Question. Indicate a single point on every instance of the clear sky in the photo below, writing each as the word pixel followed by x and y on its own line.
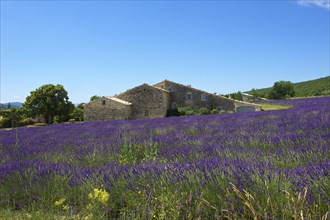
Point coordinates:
pixel 106 47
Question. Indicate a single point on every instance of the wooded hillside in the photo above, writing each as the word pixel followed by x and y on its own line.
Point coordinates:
pixel 317 87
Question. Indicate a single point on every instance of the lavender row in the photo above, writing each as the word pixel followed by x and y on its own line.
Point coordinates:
pixel 211 160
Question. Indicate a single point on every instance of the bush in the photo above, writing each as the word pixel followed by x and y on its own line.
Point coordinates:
pixel 214 111
pixel 72 120
pixel 5 122
pixel 26 122
pixel 173 112
pixel 77 114
pixel 188 110
pixel 203 111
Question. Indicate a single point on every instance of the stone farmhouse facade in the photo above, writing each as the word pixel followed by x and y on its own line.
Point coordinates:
pixel 154 101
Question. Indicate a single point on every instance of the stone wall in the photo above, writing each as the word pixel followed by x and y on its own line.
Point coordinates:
pixel 105 108
pixel 147 101
pixel 183 95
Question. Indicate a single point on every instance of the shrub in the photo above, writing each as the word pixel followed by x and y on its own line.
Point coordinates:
pixel 26 122
pixel 187 110
pixel 203 111
pixel 72 120
pixel 77 114
pixel 173 112
pixel 214 111
pixel 5 122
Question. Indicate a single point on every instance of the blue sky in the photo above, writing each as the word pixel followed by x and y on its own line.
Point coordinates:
pixel 106 47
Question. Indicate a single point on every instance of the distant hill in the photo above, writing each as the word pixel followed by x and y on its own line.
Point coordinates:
pixel 13 104
pixel 316 87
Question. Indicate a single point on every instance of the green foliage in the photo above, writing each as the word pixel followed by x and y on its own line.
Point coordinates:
pixel 11 117
pixel 94 97
pixel 282 89
pixel 172 112
pixel 187 110
pixel 203 111
pixel 5 122
pixel 317 87
pixel 237 96
pixel 256 94
pixel 77 114
pixel 274 106
pixel 26 122
pixel 135 153
pixel 214 111
pixel 81 105
pixel 49 101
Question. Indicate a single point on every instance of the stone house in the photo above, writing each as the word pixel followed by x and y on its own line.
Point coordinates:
pixel 146 101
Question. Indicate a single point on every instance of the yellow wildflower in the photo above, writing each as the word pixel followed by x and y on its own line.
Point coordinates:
pixel 99 195
pixel 59 202
pixel 65 207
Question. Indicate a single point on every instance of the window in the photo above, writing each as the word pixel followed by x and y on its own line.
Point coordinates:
pixel 189 96
pixel 204 97
pixel 103 102
pixel 146 113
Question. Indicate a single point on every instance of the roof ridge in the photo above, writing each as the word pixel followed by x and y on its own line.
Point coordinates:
pixel 118 100
pixel 165 90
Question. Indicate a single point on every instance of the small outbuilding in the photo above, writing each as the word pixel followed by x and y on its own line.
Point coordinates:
pixel 107 108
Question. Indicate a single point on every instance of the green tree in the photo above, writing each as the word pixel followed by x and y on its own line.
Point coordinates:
pixel 237 96
pixel 81 106
pixel 255 94
pixel 11 117
pixel 77 114
pixel 49 101
pixel 94 97
pixel 282 89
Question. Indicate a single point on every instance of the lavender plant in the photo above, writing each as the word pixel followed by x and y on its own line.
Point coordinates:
pixel 260 165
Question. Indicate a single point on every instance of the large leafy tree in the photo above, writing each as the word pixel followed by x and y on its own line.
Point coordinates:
pixel 49 101
pixel 282 89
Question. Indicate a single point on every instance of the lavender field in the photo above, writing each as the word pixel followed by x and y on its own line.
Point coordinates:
pixel 260 165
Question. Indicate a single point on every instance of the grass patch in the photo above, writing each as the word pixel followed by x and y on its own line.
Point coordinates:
pixel 271 106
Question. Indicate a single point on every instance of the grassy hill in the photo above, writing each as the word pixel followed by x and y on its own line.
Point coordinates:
pixel 317 87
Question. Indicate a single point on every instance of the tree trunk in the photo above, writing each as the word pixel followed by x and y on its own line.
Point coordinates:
pixel 48 119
